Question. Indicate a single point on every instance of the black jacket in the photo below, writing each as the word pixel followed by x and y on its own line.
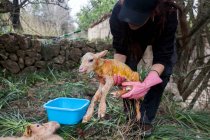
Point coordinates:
pixel 162 41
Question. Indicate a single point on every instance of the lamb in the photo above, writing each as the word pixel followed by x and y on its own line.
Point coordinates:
pixel 105 69
pixel 38 132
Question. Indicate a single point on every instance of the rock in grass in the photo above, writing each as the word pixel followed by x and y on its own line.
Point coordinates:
pixel 12 66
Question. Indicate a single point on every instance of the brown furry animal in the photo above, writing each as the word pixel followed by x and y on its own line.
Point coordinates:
pixel 38 132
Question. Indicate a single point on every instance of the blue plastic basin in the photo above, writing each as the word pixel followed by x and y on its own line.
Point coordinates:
pixel 66 110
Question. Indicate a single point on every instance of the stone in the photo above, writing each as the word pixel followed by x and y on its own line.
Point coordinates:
pixel 21 63
pixel 3 55
pixel 40 64
pixel 24 43
pixel 103 47
pixel 30 53
pixel 21 53
pixel 7 39
pixel 13 57
pixel 29 69
pixel 64 42
pixel 10 43
pixel 65 46
pixel 12 48
pixel 29 61
pixel 87 49
pixel 70 64
pixel 62 52
pixel 57 66
pixel 91 45
pixel 75 54
pixel 67 55
pixel 37 45
pixel 48 52
pixel 78 44
pixel 59 59
pixel 10 65
pixel 38 57
pixel 2 46
pixel 50 63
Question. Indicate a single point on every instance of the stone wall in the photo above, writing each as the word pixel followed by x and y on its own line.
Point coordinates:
pixel 25 54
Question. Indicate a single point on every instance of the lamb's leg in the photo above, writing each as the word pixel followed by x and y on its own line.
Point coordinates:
pixel 109 82
pixel 138 113
pixel 137 102
pixel 90 110
pixel 119 93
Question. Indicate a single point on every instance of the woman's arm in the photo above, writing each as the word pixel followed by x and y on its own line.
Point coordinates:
pixel 164 47
pixel 117 31
pixel 159 68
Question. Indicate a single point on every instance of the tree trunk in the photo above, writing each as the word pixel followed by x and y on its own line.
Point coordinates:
pixel 16 16
pixel 187 84
pixel 182 65
pixel 203 86
pixel 196 82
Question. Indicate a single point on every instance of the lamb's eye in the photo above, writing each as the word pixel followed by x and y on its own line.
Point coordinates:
pixel 91 60
pixel 37 125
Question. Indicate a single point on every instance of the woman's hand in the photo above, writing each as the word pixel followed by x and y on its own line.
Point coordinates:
pixel 140 89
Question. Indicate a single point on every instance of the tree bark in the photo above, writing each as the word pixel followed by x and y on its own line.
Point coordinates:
pixel 194 84
pixel 199 24
pixel 16 16
pixel 186 84
pixel 200 90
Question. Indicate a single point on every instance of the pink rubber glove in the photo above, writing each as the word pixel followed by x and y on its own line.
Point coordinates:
pixel 140 89
pixel 137 96
pixel 118 80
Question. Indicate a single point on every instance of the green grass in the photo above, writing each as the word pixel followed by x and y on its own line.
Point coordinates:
pixel 186 125
pixel 12 123
pixel 175 123
pixel 27 93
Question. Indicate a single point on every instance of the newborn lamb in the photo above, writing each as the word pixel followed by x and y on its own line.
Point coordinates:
pixel 38 132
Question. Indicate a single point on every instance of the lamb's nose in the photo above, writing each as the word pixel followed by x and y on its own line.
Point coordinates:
pixel 81 69
pixel 56 124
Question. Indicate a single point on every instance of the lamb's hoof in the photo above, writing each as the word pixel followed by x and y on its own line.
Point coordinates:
pixel 138 117
pixel 101 115
pixel 85 119
pixel 101 110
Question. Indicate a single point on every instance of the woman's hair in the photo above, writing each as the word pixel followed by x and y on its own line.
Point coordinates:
pixel 166 6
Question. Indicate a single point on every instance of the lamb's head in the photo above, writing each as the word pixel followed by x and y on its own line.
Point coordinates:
pixel 90 61
pixel 42 130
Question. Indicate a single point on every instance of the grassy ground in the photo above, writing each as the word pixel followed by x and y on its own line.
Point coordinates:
pixel 22 98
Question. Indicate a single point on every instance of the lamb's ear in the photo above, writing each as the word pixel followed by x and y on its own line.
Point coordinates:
pixel 28 131
pixel 101 54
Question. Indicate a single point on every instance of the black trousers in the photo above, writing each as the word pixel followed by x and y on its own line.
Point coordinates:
pixel 151 102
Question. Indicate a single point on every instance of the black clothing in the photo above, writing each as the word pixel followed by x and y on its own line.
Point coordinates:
pixel 162 40
pixel 163 46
